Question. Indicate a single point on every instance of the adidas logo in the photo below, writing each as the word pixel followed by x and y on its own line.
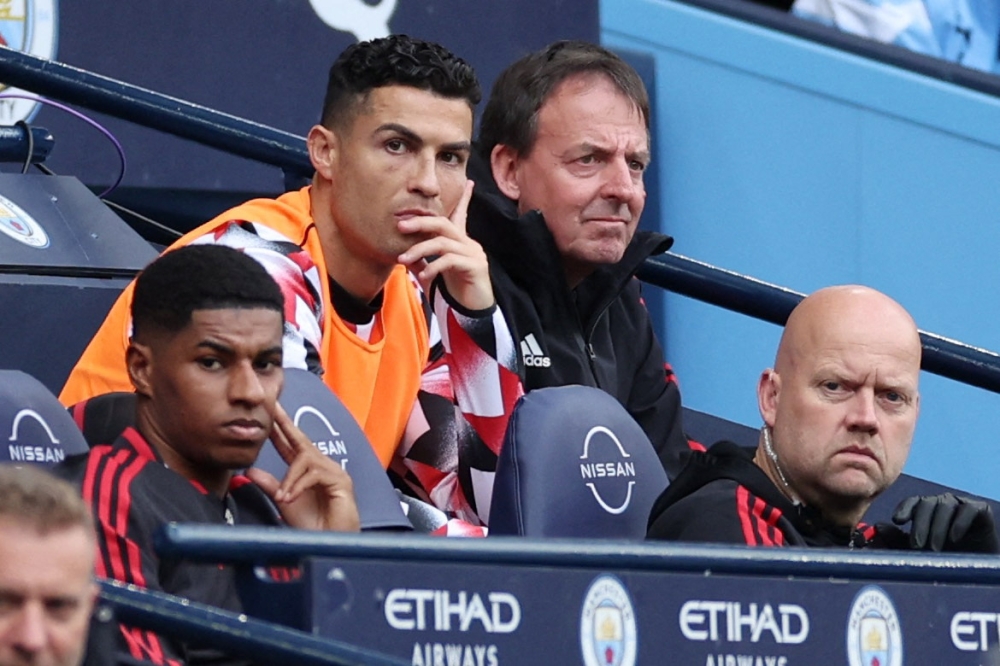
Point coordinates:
pixel 532 353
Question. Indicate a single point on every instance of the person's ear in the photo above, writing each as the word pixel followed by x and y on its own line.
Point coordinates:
pixel 768 394
pixel 139 362
pixel 322 145
pixel 504 163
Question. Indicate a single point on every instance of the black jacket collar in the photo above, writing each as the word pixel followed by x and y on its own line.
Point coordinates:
pixel 726 460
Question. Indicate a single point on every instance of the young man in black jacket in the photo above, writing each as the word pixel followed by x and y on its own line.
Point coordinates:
pixel 839 408
pixel 205 360
pixel 564 142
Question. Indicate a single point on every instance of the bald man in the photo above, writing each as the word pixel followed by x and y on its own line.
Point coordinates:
pixel 839 409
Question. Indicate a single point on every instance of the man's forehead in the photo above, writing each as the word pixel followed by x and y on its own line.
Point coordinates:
pixel 257 327
pixel 409 106
pixel 858 362
pixel 25 542
pixel 582 109
pixel 851 319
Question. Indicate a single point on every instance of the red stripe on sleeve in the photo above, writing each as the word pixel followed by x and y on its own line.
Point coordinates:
pixel 775 534
pixel 758 521
pixel 89 479
pixel 103 511
pixel 743 511
pixel 133 561
pixel 138 443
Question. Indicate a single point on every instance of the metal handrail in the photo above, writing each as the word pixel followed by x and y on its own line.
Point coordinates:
pixel 155 110
pixel 235 634
pixel 249 545
pixel 762 300
pixel 733 291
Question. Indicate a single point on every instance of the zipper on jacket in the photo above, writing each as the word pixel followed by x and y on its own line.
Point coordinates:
pixel 586 347
pixel 589 340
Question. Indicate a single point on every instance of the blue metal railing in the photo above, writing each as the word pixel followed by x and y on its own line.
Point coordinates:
pixel 762 300
pixel 237 635
pixel 15 142
pixel 155 110
pixel 280 545
pixel 733 291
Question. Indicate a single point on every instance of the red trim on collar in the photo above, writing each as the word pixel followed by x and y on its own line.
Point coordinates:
pixel 144 450
pixel 238 481
pixel 139 443
pixel 79 412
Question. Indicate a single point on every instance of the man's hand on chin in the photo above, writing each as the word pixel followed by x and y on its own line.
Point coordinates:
pixel 316 493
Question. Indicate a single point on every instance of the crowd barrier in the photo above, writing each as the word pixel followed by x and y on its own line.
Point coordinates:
pixel 506 600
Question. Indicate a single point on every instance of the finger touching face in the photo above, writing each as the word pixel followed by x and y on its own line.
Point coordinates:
pixel 403 155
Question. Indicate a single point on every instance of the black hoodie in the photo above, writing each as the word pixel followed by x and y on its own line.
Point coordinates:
pixel 598 334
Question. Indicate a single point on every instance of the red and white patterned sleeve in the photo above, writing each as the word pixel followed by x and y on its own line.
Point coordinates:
pixel 297 276
pixel 470 386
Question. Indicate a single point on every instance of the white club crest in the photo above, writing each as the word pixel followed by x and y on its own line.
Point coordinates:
pixel 357 17
pixel 29 26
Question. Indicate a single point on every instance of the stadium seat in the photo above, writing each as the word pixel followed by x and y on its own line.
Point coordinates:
pixel 574 463
pixel 104 417
pixel 35 426
pixel 321 416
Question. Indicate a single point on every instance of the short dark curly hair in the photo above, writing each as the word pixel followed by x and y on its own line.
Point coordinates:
pixel 511 114
pixel 199 277
pixel 395 60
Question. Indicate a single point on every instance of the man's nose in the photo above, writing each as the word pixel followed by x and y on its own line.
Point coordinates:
pixel 863 415
pixel 245 384
pixel 27 631
pixel 621 181
pixel 424 179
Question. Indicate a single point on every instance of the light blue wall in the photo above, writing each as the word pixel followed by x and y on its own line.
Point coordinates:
pixel 805 166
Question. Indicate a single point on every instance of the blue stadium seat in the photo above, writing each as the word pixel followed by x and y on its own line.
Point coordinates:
pixel 574 464
pixel 321 416
pixel 34 426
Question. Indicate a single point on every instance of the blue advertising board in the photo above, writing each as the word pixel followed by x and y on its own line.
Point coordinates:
pixel 487 615
pixel 265 60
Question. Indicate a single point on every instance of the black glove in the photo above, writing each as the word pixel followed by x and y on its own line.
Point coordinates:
pixel 949 523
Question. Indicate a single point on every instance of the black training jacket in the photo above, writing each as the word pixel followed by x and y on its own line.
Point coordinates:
pixel 598 334
pixel 132 494
pixel 722 496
